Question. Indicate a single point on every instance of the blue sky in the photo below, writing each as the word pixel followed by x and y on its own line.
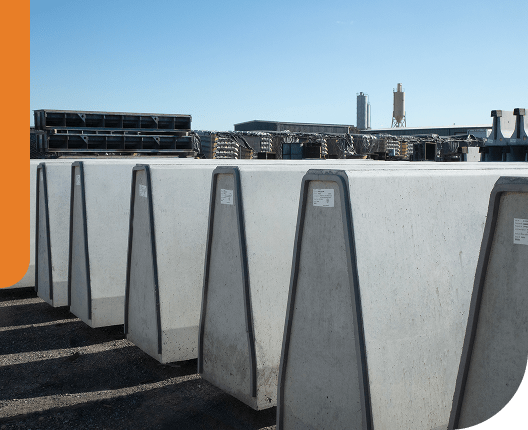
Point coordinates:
pixel 234 61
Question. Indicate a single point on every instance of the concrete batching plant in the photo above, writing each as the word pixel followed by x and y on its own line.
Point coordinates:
pixel 363 112
pixel 398 113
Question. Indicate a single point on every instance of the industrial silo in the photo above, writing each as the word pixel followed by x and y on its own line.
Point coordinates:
pixel 398 113
pixel 363 112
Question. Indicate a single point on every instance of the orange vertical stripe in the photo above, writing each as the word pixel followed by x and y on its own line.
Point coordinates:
pixel 14 148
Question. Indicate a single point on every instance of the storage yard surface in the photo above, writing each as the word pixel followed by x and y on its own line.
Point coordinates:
pixel 58 373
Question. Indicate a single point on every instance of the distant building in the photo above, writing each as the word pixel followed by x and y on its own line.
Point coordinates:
pixel 260 125
pixel 294 127
pixel 452 130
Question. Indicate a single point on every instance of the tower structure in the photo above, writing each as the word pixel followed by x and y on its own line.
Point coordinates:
pixel 398 112
pixel 363 112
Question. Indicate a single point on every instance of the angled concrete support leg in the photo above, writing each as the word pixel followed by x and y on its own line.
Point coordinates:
pixel 323 380
pixel 495 349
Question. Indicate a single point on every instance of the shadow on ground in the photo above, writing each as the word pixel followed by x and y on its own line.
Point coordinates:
pixel 186 404
pixel 190 405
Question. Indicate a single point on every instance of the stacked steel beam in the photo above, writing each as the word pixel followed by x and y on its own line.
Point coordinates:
pixel 114 132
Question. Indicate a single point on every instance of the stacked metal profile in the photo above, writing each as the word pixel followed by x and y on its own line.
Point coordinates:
pixel 392 145
pixel 234 145
pixel 206 142
pixel 265 142
pixel 403 149
pixel 225 147
pixel 406 149
pixel 228 145
pixel 509 137
pixel 114 132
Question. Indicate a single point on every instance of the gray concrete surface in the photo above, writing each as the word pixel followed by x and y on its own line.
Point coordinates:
pixel 180 195
pixel 180 205
pixel 142 313
pixel 322 396
pixel 79 270
pixel 226 348
pixel 503 127
pixel 270 194
pixel 498 360
pixel 473 155
pixel 417 238
pixel 107 193
pixel 58 174
pixel 59 188
pixel 520 134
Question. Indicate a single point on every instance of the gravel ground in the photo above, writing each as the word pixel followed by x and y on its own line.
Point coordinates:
pixel 58 373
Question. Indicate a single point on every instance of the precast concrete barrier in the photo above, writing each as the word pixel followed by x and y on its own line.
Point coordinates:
pixel 28 280
pixel 380 288
pixel 167 244
pixel 518 150
pixel 496 148
pixel 503 127
pixel 99 221
pixel 495 351
pixel 247 272
pixel 520 134
pixel 51 231
pixel 168 228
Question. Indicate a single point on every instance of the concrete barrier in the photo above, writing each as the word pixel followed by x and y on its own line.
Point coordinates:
pixel 518 149
pixel 28 280
pixel 520 134
pixel 168 229
pixel 51 231
pixel 98 241
pixel 249 248
pixel 497 144
pixel 495 351
pixel 503 127
pixel 53 192
pixel 379 297
pixel 99 216
pixel 247 270
pixel 170 210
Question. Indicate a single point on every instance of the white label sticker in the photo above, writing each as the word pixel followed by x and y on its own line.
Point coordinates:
pixel 226 197
pixel 77 179
pixel 323 197
pixel 520 231
pixel 513 140
pixel 142 190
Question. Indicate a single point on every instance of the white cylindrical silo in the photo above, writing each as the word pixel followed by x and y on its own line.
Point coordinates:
pixel 362 111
